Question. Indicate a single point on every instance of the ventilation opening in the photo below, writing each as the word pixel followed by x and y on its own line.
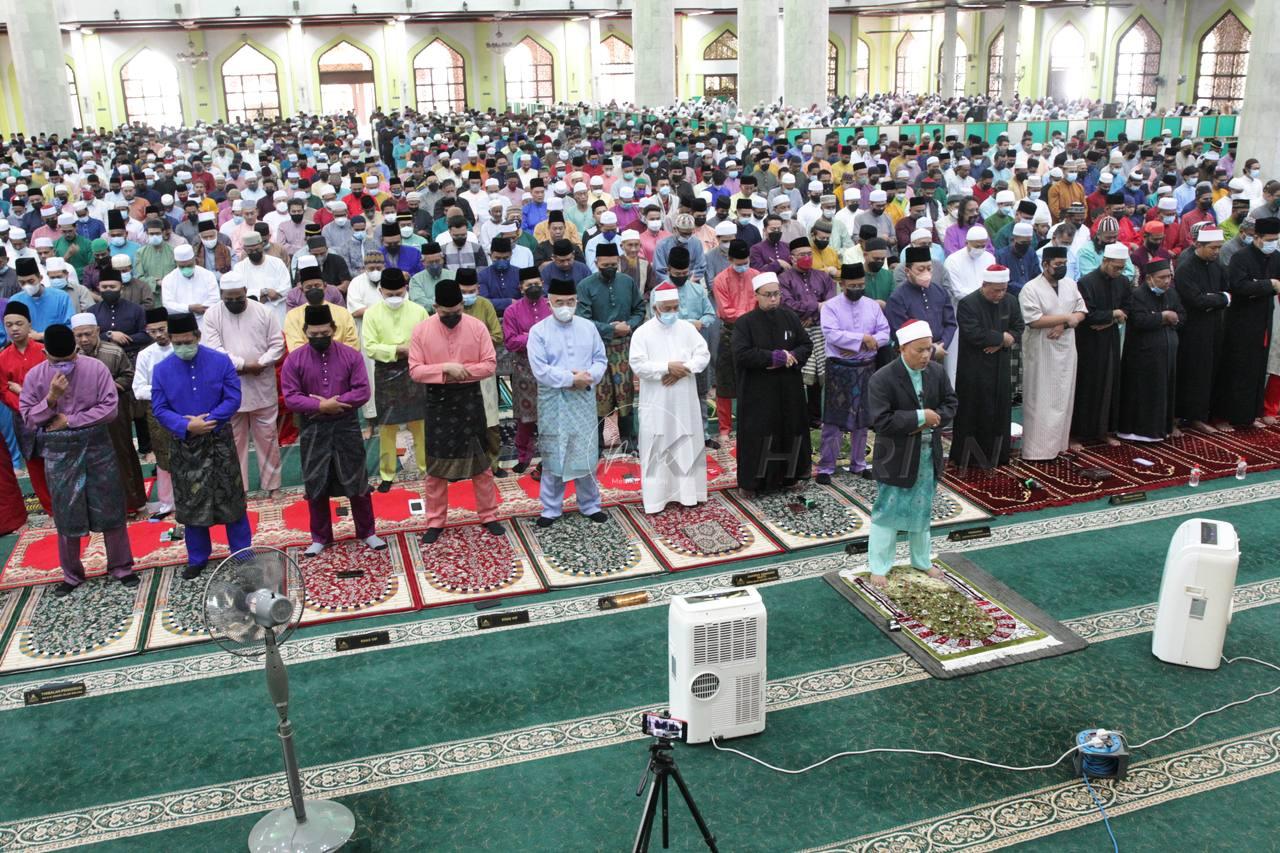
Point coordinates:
pixel 705 685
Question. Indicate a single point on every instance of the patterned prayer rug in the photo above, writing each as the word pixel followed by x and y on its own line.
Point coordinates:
pixel 334 594
pixel 178 616
pixel 809 514
pixel 101 619
pixel 393 512
pixel 1259 447
pixel 1141 463
pixel 948 507
pixel 9 599
pixel 1002 490
pixel 576 550
pixel 468 564
pixel 963 623
pixel 691 537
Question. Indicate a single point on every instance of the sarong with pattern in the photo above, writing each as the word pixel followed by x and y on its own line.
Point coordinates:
pixel 397 397
pixel 842 396
pixel 455 431
pixel 815 368
pixel 617 389
pixel 207 488
pixel 333 457
pixel 524 389
pixel 84 480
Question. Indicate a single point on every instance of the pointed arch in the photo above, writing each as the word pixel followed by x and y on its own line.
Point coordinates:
pixel 439 78
pixel 911 65
pixel 961 68
pixel 1222 63
pixel 723 46
pixel 280 70
pixel 369 71
pixel 995 65
pixel 250 85
pixel 1068 77
pixel 529 70
pixel 149 83
pixel 617 70
pixel 73 92
pixel 861 68
pixel 1137 62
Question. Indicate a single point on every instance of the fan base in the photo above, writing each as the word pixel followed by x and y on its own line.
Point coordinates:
pixel 328 826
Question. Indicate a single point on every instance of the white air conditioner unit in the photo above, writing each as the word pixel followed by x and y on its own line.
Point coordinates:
pixel 717 642
pixel 1195 602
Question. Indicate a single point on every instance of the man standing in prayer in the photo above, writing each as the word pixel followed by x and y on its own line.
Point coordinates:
pixel 195 393
pixel 67 403
pixel 1253 281
pixel 909 403
pixel 770 347
pixel 119 430
pixel 517 322
pixel 612 302
pixel 567 357
pixel 734 297
pixel 16 361
pixel 804 289
pixel 965 275
pixel 161 442
pixel 1051 309
pixel 326 383
pixel 1203 294
pixel 189 289
pixel 1097 395
pixel 314 293
pixel 479 307
pixel 250 334
pixel 451 353
pixel 853 331
pixel 990 323
pixel 696 309
pixel 1148 369
pixel 920 299
pixel 388 330
pixel 666 354
pixel 45 305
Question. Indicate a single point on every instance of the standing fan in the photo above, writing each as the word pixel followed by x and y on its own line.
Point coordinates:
pixel 252 605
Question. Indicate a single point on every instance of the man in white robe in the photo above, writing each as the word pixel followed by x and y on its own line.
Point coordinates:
pixel 1051 308
pixel 666 354
pixel 964 276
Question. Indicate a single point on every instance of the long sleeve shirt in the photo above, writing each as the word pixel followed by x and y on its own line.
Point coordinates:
pixel 930 304
pixel 338 372
pixel 91 397
pixel 251 337
pixel 127 317
pixel 803 292
pixel 144 366
pixel 51 306
pixel 846 321
pixel 434 344
pixel 178 293
pixel 386 328
pixel 557 349
pixel 605 303
pixel 765 256
pixel 153 263
pixel 15 364
pixel 697 260
pixel 734 294
pixel 295 329
pixel 482 310
pixel 207 385
pixel 500 288
pixel 518 320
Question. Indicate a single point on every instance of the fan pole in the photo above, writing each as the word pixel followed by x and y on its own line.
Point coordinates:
pixel 278 687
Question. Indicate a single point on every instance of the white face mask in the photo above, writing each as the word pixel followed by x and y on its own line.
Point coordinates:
pixel 975 253
pixel 282 208
pixel 209 242
pixel 564 313
pixel 785 214
pixel 31 289
pixel 406 232
pixel 654 224
pixel 375 276
pixel 394 302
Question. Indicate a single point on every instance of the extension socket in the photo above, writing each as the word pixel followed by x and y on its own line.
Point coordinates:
pixel 1105 747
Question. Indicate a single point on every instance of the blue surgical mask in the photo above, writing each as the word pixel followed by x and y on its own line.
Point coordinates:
pixel 1269 246
pixel 501 265
pixel 668 318
pixel 435 269
pixel 741 268
pixel 1071 177
pixel 469 299
pixel 63 367
pixel 1247 239
pixel 1167 220
pixel 117 241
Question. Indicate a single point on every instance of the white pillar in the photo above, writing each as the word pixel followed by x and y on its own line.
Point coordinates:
pixel 1175 29
pixel 852 65
pixel 805 31
pixel 593 36
pixel 299 69
pixel 947 73
pixel 1009 75
pixel 653 38
pixel 1258 137
pixel 35 41
pixel 758 52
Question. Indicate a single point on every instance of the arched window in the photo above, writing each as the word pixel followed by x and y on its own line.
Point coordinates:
pixel 346 82
pixel 249 81
pixel 1067 77
pixel 439 79
pixel 151 90
pixel 862 70
pixel 530 73
pixel 725 46
pixel 74 93
pixel 723 86
pixel 962 66
pixel 912 67
pixel 1224 59
pixel 617 72
pixel 1137 63
pixel 995 67
pixel 833 69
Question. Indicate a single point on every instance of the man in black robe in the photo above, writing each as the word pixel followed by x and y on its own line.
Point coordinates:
pixel 1148 371
pixel 1097 395
pixel 990 321
pixel 1201 284
pixel 1253 280
pixel 770 347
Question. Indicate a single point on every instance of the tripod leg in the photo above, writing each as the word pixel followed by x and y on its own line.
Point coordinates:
pixel 646 823
pixel 666 833
pixel 693 809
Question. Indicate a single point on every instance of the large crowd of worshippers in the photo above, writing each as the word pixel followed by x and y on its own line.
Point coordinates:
pixel 173 295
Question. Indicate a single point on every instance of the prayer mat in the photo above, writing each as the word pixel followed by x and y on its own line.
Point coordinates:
pixel 1258 446
pixel 1215 457
pixel 690 537
pixel 1000 490
pixel 178 616
pixel 468 564
pixel 333 594
pixel 809 514
pixel 964 623
pixel 1141 463
pixel 576 550
pixel 9 599
pixel 392 512
pixel 948 507
pixel 102 619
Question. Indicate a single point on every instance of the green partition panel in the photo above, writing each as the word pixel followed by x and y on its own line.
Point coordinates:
pixel 794 133
pixel 910 130
pixel 1208 126
pixel 1174 124
pixel 1094 125
pixel 749 132
pixel 1226 125
pixel 1151 128
pixel 933 131
pixel 846 135
pixel 994 129
pixel 977 129
pixel 1063 127
pixel 871 133
pixel 1115 127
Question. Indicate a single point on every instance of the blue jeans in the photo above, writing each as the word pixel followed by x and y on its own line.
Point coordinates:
pixel 239 537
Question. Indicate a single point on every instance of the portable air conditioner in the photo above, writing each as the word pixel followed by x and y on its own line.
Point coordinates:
pixel 717 642
pixel 1195 602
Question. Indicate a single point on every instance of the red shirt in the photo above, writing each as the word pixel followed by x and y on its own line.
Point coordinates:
pixel 14 366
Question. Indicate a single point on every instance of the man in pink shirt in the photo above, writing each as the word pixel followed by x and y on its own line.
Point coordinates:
pixel 734 296
pixel 450 353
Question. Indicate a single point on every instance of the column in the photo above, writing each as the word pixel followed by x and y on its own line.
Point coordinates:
pixel 852 65
pixel 653 38
pixel 947 73
pixel 1009 74
pixel 1258 137
pixel 299 68
pixel 1175 30
pixel 758 53
pixel 35 41
pixel 805 28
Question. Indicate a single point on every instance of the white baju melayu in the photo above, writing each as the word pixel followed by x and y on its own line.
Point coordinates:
pixel 364 294
pixel 271 274
pixel 178 293
pixel 1048 369
pixel 672 455
pixel 964 276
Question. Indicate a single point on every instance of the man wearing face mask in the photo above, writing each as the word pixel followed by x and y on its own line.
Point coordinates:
pixel 1147 369
pixel 213 252
pixel 250 334
pixel 387 329
pixel 194 395
pixel 59 276
pixel 613 302
pixel 500 281
pixel 804 289
pixel 474 304
pixel 396 254
pixel 68 401
pixel 155 259
pixel 1051 310
pixel 1252 280
pixel 683 238
pixel 46 305
pixel 189 288
pixel 157 330
pixel 517 321
pixel 422 286
pixel 265 277
pixel 314 291
pixel 15 362
pixel 854 329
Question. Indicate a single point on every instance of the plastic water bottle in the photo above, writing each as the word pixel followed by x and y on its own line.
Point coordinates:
pixel 1241 468
pixel 1194 479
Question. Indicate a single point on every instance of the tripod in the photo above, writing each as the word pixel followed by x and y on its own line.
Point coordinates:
pixel 662 766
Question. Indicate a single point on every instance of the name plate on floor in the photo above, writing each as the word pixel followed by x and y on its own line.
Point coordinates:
pixel 349 574
pixel 54 692
pixel 1128 498
pixel 361 641
pixel 758 576
pixel 501 620
pixel 969 533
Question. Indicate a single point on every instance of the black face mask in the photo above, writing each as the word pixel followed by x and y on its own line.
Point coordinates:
pixel 1020 249
pixel 854 293
pixel 821 244
pixel 678 280
pixel 433 187
pixel 460 241
pixel 192 217
pixel 699 221
pixel 235 306
pixel 608 274
pixel 111 297
pixel 1050 273
pixel 296 217
pixel 255 257
pixel 450 320
pixel 534 293
pixel 320 344
pixel 1204 205
pixel 315 295
pixel 102 263
pixel 875 266
pixel 774 236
